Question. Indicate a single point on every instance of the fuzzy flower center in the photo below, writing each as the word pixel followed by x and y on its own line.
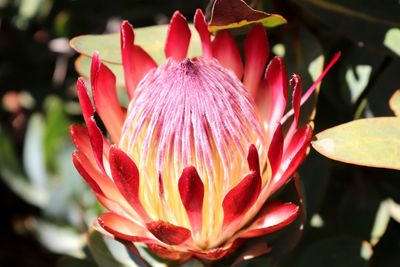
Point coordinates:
pixel 191 113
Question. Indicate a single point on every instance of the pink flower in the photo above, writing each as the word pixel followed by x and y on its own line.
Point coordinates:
pixel 190 165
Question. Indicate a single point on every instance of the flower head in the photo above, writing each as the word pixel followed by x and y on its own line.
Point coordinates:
pixel 191 163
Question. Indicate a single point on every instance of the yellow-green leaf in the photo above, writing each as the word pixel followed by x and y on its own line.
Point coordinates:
pixel 151 39
pixel 82 66
pixel 392 39
pixel 273 20
pixel 372 142
pixel 395 103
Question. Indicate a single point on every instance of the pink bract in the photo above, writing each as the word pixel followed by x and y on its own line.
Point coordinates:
pixel 190 165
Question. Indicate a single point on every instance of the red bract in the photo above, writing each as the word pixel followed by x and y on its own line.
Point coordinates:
pixel 191 163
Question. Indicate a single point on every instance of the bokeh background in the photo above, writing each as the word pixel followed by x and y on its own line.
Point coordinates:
pixel 351 217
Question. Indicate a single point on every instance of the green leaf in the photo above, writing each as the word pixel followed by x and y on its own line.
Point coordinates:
pixel 56 130
pixel 33 154
pixel 8 155
pixel 151 39
pixel 370 142
pixel 11 173
pixel 110 253
pixel 395 103
pixel 357 80
pixel 108 45
pixel 386 251
pixel 60 239
pixel 392 40
pixel 388 209
pixel 229 14
pixel 82 66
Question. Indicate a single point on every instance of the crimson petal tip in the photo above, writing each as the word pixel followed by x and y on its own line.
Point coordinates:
pixel 191 190
pixel 126 178
pixel 241 198
pixel 253 159
pixel 256 52
pixel 178 37
pixel 200 24
pixel 168 233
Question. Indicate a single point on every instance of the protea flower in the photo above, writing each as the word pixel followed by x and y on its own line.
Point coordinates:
pixel 190 165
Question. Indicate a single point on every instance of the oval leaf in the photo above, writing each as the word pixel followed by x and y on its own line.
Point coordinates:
pixel 33 154
pixel 82 66
pixel 395 103
pixel 370 142
pixel 151 39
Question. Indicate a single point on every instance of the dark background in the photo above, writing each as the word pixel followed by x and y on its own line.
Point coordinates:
pixel 346 197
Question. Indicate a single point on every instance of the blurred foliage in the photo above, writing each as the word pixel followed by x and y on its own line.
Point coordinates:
pixel 352 213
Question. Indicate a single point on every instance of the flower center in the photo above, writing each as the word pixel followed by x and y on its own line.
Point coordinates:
pixel 191 113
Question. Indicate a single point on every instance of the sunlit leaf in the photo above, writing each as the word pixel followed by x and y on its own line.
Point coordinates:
pixel 385 252
pixel 357 80
pixel 370 142
pixel 392 40
pixel 395 103
pixel 228 14
pixel 388 209
pixel 366 250
pixel 151 39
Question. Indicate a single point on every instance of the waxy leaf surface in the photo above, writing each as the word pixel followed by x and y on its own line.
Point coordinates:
pixel 151 39
pixel 395 103
pixel 370 142
pixel 82 66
